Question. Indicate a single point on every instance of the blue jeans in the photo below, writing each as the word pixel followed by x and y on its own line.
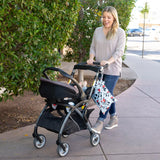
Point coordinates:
pixel 110 82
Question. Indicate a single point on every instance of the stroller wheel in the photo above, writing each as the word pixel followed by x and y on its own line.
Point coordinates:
pixel 94 139
pixel 63 152
pixel 39 143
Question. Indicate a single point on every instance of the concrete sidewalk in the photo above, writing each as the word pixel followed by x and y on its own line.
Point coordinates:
pixel 136 138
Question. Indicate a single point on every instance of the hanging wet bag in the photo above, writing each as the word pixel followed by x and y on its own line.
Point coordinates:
pixel 102 97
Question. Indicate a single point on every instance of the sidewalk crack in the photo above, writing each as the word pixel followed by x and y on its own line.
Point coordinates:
pixel 103 152
pixel 148 95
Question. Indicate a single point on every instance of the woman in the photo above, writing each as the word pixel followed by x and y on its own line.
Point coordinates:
pixel 107 47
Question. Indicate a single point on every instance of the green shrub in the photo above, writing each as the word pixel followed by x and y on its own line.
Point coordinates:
pixel 31 32
pixel 80 40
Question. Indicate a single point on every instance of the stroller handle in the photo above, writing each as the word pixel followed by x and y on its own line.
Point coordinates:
pixel 96 67
pixel 98 63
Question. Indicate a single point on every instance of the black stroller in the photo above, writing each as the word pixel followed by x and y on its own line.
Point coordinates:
pixel 66 110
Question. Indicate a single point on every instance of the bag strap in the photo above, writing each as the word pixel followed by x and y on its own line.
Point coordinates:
pixel 100 77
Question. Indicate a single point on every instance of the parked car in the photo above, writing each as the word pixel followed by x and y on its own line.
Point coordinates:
pixel 135 32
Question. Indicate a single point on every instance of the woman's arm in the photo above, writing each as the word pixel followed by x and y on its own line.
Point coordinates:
pixel 92 50
pixel 91 59
pixel 120 45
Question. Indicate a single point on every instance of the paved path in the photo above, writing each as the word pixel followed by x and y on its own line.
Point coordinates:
pixel 151 47
pixel 136 138
pixel 139 111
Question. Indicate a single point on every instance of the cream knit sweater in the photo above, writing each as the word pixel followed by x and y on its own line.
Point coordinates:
pixel 104 49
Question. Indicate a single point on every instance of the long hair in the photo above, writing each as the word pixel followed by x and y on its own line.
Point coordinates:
pixel 115 24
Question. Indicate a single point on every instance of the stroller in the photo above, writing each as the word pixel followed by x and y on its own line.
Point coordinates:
pixel 66 110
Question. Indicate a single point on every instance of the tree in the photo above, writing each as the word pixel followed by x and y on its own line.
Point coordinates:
pixel 88 20
pixel 31 32
pixel 144 11
pixel 79 42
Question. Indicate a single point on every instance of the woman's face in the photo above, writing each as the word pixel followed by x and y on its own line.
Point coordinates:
pixel 107 19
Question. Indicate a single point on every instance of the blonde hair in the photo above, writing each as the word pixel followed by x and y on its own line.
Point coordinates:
pixel 115 24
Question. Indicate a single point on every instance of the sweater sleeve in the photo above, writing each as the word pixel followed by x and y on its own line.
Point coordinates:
pixel 120 44
pixel 92 47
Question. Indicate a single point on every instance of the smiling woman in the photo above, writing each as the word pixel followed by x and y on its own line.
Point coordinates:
pixel 107 20
pixel 107 47
pixel 110 23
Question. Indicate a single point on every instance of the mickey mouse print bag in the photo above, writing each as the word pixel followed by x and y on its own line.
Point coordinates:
pixel 102 97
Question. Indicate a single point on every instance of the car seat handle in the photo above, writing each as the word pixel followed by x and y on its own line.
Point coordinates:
pixel 65 75
pixel 57 70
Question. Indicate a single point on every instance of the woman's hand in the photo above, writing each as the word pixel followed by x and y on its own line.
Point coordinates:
pixel 104 63
pixel 90 61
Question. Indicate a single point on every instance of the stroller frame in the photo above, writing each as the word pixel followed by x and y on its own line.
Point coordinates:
pixel 83 99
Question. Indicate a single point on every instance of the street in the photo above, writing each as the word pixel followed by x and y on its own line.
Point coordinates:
pixel 151 47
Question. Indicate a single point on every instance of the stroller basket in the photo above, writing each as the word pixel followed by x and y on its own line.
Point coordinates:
pixel 53 122
pixel 56 91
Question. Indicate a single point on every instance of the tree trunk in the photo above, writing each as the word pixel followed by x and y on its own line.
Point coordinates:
pixel 80 75
pixel 143 36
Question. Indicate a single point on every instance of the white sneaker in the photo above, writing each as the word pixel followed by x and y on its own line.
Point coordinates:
pixel 97 128
pixel 113 122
